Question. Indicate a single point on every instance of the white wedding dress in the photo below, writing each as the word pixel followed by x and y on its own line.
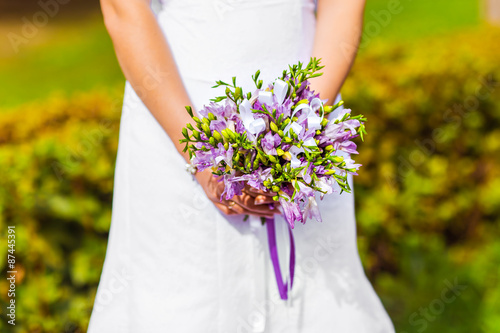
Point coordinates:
pixel 174 263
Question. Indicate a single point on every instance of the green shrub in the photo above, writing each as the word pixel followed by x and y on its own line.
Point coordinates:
pixel 56 166
pixel 428 194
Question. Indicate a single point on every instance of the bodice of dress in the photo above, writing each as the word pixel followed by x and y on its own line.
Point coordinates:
pixel 218 39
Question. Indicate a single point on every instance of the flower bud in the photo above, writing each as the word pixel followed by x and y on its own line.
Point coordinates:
pixel 256 163
pixel 206 128
pixel 231 134
pixel 237 93
pixel 337 159
pixel 225 135
pixel 217 136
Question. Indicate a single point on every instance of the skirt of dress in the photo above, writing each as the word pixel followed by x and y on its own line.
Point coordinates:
pixel 174 263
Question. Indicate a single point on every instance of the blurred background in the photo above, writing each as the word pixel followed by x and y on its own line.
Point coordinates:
pixel 428 197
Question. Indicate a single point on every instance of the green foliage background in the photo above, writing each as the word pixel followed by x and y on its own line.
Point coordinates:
pixel 428 194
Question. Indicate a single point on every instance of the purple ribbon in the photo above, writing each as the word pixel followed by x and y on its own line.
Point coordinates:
pixel 273 250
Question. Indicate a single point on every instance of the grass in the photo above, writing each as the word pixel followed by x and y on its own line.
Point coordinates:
pixel 63 58
pixel 420 18
pixel 69 56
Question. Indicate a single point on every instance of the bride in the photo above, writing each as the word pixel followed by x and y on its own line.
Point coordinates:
pixel 178 259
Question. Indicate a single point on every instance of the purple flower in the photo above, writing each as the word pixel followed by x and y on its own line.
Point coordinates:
pixel 311 210
pixel 239 126
pixel 303 192
pixel 213 157
pixel 256 178
pixel 221 154
pixel 203 160
pixel 231 187
pixel 337 132
pixel 347 146
pixel 269 143
pixel 284 109
pixel 291 211
pixel 308 134
pixel 221 110
pixel 349 164
pixel 217 125
pixel 319 170
pixel 325 184
pixel 352 124
pixel 306 173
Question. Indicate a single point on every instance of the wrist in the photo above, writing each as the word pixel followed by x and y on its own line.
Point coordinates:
pixel 203 176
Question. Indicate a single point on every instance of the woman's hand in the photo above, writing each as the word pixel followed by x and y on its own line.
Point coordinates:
pixel 251 202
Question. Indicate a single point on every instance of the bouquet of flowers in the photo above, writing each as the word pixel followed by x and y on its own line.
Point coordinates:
pixel 276 139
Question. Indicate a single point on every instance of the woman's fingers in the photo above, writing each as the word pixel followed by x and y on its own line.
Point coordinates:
pixel 250 193
pixel 257 192
pixel 223 208
pixel 235 208
pixel 248 203
pixel 260 197
pixel 231 208
pixel 263 199
pixel 251 202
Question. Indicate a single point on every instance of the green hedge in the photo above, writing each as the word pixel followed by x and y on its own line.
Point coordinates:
pixel 428 194
pixel 56 166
